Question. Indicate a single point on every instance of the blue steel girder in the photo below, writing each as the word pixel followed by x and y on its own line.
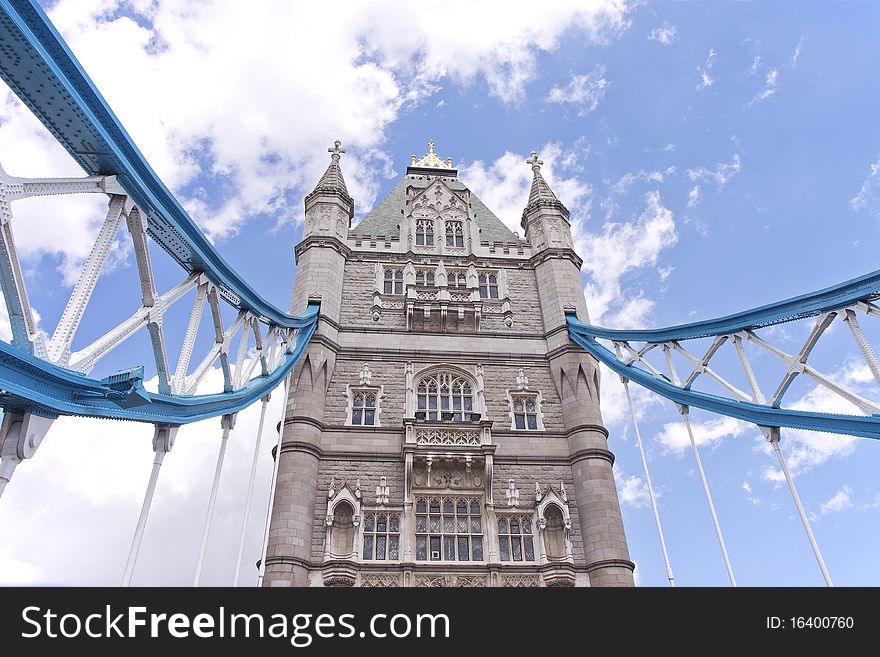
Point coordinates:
pixel 29 383
pixel 40 68
pixel 585 336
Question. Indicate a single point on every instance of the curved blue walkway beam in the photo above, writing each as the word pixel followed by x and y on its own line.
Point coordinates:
pixel 766 416
pixel 28 383
pixel 863 288
pixel 841 298
pixel 39 67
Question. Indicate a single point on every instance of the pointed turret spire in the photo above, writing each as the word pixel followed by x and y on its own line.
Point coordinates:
pixel 541 192
pixel 545 218
pixel 332 182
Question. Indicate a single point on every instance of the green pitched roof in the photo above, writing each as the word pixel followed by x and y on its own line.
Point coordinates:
pixel 385 217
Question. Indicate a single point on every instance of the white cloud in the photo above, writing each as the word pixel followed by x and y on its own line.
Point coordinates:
pixel 771 82
pixel 674 436
pixel 632 490
pixel 583 91
pixel 747 487
pixel 257 123
pixel 868 195
pixel 620 248
pixel 706 80
pixel 665 34
pixel 840 501
pixel 695 196
pixel 669 148
pixel 720 175
pixel 503 185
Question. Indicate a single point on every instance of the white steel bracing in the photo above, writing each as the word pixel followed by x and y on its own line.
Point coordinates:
pixel 687 423
pixel 772 435
pixel 264 402
pixel 795 364
pixel 649 484
pixel 270 343
pixel 163 441
pixel 227 422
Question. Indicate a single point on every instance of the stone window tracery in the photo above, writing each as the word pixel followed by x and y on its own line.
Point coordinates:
pixel 457 279
pixel 489 286
pixel 525 412
pixel 445 396
pixel 449 529
pixel 516 540
pixel 425 278
pixel 364 404
pixel 425 232
pixel 393 281
pixel 454 233
pixel 381 537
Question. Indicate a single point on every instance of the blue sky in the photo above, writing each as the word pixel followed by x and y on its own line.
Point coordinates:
pixel 714 156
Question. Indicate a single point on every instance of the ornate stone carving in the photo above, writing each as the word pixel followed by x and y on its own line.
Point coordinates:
pixel 447 475
pixel 521 581
pixel 468 437
pixel 430 581
pixel 442 581
pixel 380 580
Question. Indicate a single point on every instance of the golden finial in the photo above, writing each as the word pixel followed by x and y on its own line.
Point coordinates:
pixel 431 160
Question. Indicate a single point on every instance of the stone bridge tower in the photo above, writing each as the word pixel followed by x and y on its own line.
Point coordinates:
pixel 441 429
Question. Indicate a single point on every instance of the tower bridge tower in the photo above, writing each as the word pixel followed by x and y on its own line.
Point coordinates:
pixel 441 429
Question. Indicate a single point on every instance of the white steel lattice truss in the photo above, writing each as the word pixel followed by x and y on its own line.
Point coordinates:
pixel 632 358
pixel 245 347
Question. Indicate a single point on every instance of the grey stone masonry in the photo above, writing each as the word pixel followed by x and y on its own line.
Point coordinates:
pixel 441 429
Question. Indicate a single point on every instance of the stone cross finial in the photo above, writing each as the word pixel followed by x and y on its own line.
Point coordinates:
pixel 366 375
pixel 535 162
pixel 430 145
pixel 522 380
pixel 336 150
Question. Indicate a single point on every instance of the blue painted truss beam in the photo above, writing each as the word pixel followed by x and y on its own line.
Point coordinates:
pixel 867 426
pixel 40 68
pixel 863 288
pixel 28 383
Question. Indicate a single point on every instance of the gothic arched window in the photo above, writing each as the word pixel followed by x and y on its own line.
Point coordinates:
pixel 525 412
pixel 488 286
pixel 393 281
pixel 424 232
pixel 457 279
pixel 445 396
pixel 381 536
pixel 363 408
pixel 515 538
pixel 454 233
pixel 424 278
pixel 449 529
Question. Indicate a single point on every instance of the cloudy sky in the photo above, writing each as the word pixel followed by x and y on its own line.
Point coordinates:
pixel 714 157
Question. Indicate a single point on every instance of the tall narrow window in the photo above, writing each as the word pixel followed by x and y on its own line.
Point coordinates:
pixel 381 536
pixel 515 538
pixel 456 279
pixel 525 412
pixel 449 529
pixel 393 281
pixel 424 232
pixel 425 278
pixel 363 408
pixel 444 396
pixel 454 233
pixel 488 286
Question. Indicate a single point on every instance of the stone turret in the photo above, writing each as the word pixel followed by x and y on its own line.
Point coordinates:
pixel 576 375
